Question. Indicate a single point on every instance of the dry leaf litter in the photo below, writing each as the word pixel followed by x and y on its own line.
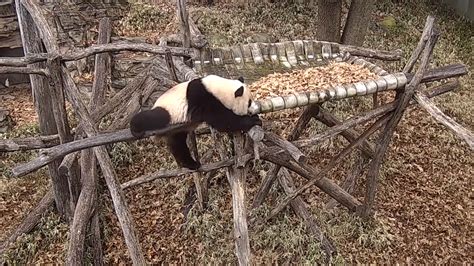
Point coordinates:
pixel 310 79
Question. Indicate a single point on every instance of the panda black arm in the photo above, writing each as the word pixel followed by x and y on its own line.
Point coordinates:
pixel 230 122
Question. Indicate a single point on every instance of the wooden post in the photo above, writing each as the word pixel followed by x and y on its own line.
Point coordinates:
pixel 83 211
pixel 184 21
pixel 118 197
pixel 431 35
pixel 102 64
pixel 237 184
pixel 71 174
pixel 44 107
pixel 87 203
pixel 185 29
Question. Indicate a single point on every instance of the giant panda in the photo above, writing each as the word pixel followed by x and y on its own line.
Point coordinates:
pixel 220 102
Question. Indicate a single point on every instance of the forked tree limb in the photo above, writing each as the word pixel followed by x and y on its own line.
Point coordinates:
pixel 404 101
pixel 442 118
pixel 48 34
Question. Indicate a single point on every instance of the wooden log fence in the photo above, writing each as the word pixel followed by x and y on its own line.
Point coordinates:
pixel 63 149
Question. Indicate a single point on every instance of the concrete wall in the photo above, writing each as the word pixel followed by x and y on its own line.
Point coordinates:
pixel 463 7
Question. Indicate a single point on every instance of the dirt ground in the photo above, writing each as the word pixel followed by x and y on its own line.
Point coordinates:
pixel 424 203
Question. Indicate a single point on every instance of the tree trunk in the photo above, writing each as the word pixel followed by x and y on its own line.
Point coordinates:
pixel 358 19
pixel 43 105
pixel 329 20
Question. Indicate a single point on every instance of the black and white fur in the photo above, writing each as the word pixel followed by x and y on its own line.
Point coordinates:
pixel 221 103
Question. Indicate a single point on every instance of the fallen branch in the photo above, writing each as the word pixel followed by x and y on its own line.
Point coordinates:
pixel 434 111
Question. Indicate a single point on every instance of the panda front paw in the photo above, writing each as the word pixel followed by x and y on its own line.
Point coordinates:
pixel 256 120
pixel 251 121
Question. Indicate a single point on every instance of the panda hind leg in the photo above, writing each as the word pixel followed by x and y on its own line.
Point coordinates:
pixel 180 151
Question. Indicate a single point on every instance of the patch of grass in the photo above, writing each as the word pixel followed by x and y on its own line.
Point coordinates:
pixel 143 18
pixel 228 25
pixel 121 154
pixel 50 233
pixel 23 131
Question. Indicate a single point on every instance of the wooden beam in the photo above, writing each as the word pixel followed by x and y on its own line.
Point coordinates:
pixel 404 100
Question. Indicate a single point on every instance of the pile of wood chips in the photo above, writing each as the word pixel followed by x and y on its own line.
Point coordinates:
pixel 309 79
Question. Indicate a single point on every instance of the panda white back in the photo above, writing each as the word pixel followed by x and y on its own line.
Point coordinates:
pixel 174 101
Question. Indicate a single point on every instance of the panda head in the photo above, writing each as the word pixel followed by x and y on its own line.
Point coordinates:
pixel 232 93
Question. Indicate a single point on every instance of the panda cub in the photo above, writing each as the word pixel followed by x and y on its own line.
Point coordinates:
pixel 221 103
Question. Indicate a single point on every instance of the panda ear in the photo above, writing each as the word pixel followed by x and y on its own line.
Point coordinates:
pixel 239 92
pixel 241 79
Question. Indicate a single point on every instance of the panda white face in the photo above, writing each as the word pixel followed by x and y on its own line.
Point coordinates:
pixel 233 93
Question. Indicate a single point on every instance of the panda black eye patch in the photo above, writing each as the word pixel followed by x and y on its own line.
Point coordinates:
pixel 239 92
pixel 250 103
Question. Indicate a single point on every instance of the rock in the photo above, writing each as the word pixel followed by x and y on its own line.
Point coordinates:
pixel 6 121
